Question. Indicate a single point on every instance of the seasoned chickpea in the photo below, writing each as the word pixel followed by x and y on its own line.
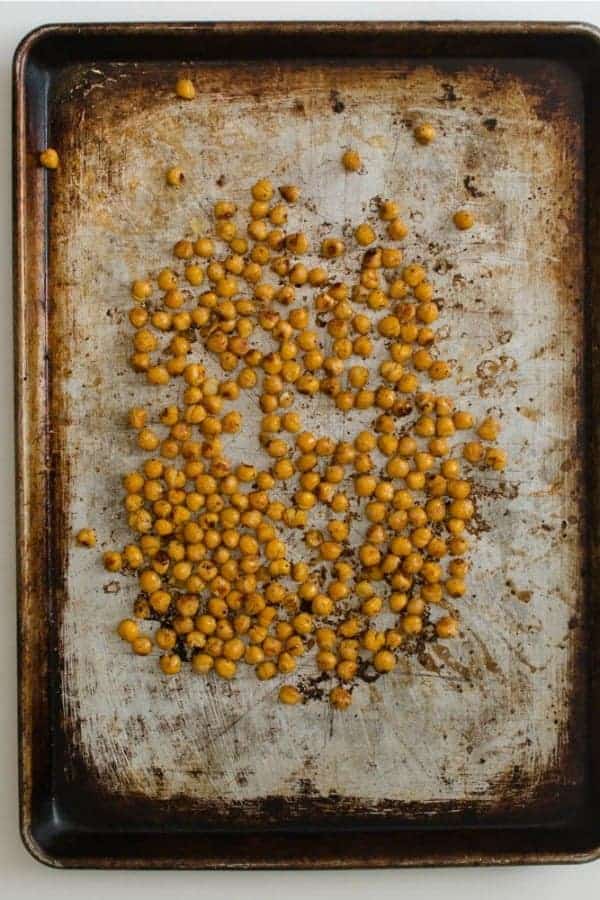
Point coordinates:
pixel 424 133
pixel 496 458
pixel 49 158
pixel 340 698
pixel 489 429
pixel 463 220
pixel 397 230
pixel 289 695
pixel 86 537
pixel 473 451
pixel 128 630
pixel 351 161
pixel 174 176
pixel 446 627
pixel 141 646
pixel 290 193
pixel 364 235
pixel 170 663
pixel 384 661
pixel 185 89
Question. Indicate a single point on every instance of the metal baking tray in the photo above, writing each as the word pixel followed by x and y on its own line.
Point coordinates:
pixel 483 751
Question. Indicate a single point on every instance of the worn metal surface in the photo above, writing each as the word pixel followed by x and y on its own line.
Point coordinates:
pixel 484 729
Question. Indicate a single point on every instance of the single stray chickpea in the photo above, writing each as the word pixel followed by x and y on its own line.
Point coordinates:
pixel 424 133
pixel 185 89
pixel 86 537
pixel 174 176
pixel 463 220
pixel 49 158
pixel 351 161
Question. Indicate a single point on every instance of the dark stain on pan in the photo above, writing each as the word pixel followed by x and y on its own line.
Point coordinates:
pixel 337 104
pixel 68 813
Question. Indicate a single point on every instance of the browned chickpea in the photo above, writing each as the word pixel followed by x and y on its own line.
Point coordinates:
pixel 424 133
pixel 463 220
pixel 351 161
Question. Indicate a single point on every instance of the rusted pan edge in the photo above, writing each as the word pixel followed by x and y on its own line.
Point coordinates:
pixel 29 289
pixel 33 488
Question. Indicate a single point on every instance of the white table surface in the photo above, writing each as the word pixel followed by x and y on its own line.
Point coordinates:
pixel 20 875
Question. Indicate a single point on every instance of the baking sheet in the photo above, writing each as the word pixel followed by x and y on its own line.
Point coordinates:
pixel 481 721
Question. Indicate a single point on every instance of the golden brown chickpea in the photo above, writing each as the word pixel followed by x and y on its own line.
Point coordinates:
pixel 185 89
pixel 86 537
pixel 397 230
pixel 384 661
pixel 462 420
pixel 174 176
pixel 351 161
pixel 202 663
pixel 49 158
pixel 473 451
pixel 290 193
pixel 424 133
pixel 447 627
pixel 340 698
pixel 332 247
pixel 170 663
pixel 496 458
pixel 289 695
pixel 364 235
pixel 141 646
pixel 113 561
pixel 463 220
pixel 412 624
pixel 489 429
pixel 128 630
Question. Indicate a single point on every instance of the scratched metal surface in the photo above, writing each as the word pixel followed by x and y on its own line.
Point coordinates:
pixel 486 717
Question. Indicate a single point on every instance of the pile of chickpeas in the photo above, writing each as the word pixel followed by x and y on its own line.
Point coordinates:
pixel 218 587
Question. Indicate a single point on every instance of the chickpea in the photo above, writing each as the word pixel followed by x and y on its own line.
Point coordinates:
pixel 384 661
pixel 462 420
pixel 496 458
pixel 86 537
pixel 351 161
pixel 473 451
pixel 141 646
pixel 463 220
pixel 346 669
pixel 340 698
pixel 49 158
pixel 397 230
pixel 489 429
pixel 202 663
pixel 364 235
pixel 290 193
pixel 289 695
pixel 128 630
pixel 113 561
pixel 170 663
pixel 262 190
pixel 446 627
pixel 266 670
pixel 174 176
pixel 185 89
pixel 332 247
pixel 455 587
pixel 412 624
pixel 424 133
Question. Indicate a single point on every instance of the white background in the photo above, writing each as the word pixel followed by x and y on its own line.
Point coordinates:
pixel 21 876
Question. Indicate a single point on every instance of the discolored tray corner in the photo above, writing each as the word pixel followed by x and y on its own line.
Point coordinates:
pixel 129 833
